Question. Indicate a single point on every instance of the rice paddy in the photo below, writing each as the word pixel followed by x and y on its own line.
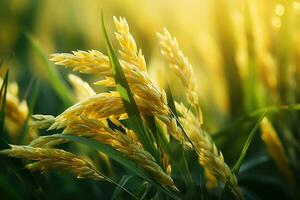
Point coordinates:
pixel 149 99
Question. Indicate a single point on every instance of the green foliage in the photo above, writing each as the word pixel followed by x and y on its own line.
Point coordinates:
pixel 52 73
pixel 3 92
pixel 236 130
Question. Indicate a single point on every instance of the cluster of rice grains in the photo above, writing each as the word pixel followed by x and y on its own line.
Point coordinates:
pixel 51 158
pixel 89 117
pixel 210 157
pixel 16 113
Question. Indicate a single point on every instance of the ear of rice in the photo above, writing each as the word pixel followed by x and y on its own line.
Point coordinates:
pixel 275 149
pixel 129 52
pixel 16 113
pixel 91 62
pixel 42 121
pixel 49 158
pixel 150 99
pixel 48 141
pixel 127 143
pixel 81 88
pixel 210 158
pixel 179 63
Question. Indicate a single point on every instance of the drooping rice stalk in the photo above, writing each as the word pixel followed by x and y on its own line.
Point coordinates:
pixel 183 69
pixel 275 149
pixel 150 99
pixel 210 157
pixel 89 117
pixel 137 79
pixel 126 143
pixel 49 158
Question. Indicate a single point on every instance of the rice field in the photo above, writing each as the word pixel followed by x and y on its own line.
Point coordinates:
pixel 149 99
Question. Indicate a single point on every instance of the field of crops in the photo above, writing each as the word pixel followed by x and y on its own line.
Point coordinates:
pixel 149 99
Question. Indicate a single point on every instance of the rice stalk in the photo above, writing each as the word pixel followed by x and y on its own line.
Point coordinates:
pixel 126 143
pixel 150 99
pixel 129 52
pixel 145 93
pixel 210 158
pixel 49 158
pixel 275 149
pixel 81 88
pixel 179 63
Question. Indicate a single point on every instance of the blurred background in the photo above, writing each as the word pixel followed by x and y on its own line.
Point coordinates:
pixel 245 54
pixel 239 49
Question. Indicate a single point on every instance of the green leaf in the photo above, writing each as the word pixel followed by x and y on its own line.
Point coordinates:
pixel 53 76
pixel 238 164
pixel 135 120
pixel 3 92
pixel 120 158
pixel 24 176
pixel 171 100
pixel 180 163
pixel 122 183
pixel 176 153
pixel 251 115
pixel 226 193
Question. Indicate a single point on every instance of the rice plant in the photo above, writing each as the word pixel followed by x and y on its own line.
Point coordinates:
pixel 93 123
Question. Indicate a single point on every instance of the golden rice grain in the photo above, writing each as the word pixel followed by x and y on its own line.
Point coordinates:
pixel 81 88
pixel 49 158
pixel 47 141
pixel 129 52
pixel 179 64
pixel 91 62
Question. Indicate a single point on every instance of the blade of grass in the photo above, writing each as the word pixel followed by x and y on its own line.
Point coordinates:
pixel 176 154
pixel 27 179
pixel 252 115
pixel 3 92
pixel 171 100
pixel 120 187
pixel 173 114
pixel 238 163
pixel 53 75
pixel 135 120
pixel 144 192
pixel 183 168
pixel 228 188
pixel 122 183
